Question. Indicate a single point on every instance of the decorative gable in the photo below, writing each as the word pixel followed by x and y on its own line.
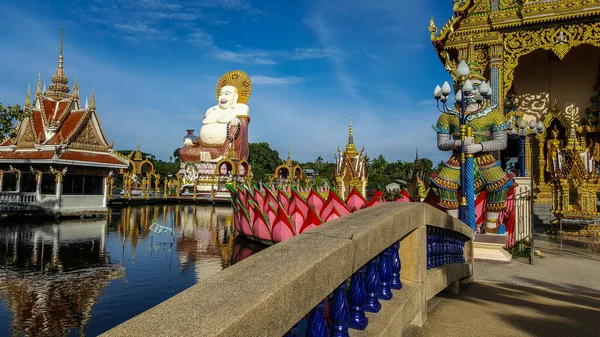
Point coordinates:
pixel 27 138
pixel 88 137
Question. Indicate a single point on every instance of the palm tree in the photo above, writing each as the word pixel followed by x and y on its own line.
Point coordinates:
pixel 318 163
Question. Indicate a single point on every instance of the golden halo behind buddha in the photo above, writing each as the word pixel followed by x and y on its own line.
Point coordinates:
pixel 238 79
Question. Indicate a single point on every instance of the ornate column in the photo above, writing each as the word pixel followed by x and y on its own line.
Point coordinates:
pixel 58 177
pixel 18 176
pixel 1 179
pixel 104 190
pixel 495 52
pixel 528 157
pixel 38 181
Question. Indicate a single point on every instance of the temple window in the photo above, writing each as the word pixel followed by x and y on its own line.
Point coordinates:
pixel 28 182
pixel 9 182
pixel 48 184
pixel 80 184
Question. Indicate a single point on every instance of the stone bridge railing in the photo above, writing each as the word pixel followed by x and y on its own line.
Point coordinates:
pixel 341 269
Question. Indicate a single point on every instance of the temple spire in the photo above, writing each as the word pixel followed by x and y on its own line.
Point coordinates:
pixel 76 88
pixel 59 89
pixel 93 101
pixel 350 148
pixel 28 98
pixel 38 90
pixel 350 135
pixel 417 156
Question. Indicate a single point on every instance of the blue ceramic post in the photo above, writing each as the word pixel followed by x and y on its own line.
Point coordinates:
pixel 339 313
pixel 357 299
pixel 396 266
pixel 385 275
pixel 372 286
pixel 317 326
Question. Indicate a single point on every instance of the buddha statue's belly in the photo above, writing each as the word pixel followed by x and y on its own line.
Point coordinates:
pixel 213 134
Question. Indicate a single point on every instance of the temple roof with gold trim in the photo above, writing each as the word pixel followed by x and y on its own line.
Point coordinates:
pixel 482 20
pixel 58 129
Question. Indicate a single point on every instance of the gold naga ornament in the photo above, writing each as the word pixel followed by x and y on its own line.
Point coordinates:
pixel 238 79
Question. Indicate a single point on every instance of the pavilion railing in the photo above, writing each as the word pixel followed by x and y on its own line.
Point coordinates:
pixel 23 198
pixel 359 272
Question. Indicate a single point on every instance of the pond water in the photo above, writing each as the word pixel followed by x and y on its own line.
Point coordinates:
pixel 83 277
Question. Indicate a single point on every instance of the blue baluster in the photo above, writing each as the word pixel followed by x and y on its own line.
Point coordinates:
pixel 396 266
pixel 385 275
pixel 372 286
pixel 317 326
pixel 339 313
pixel 357 299
pixel 293 331
pixel 429 249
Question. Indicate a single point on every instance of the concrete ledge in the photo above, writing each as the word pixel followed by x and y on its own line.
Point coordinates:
pixel 439 278
pixel 269 292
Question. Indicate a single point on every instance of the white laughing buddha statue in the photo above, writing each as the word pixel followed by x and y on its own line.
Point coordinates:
pixel 224 131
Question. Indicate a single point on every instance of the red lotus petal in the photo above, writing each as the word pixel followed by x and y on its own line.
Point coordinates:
pixel 315 200
pixel 355 200
pixel 282 226
pixel 378 198
pixel 261 225
pixel 311 221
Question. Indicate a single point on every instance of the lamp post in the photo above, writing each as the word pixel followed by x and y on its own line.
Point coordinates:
pixel 463 97
pixel 530 130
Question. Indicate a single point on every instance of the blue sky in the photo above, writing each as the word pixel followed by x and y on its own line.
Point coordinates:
pixel 154 65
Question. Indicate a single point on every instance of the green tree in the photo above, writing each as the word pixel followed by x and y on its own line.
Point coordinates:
pixel 378 175
pixel 263 160
pixel 9 117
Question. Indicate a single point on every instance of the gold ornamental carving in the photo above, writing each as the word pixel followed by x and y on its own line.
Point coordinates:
pixel 557 39
pixel 240 80
pixel 88 138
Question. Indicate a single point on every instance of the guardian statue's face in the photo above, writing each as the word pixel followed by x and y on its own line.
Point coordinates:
pixel 227 97
pixel 471 97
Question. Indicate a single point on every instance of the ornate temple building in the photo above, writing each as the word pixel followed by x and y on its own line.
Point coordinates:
pixel 59 154
pixel 287 171
pixel 542 61
pixel 350 168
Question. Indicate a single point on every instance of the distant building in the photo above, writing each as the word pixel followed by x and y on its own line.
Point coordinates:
pixel 350 169
pixel 60 159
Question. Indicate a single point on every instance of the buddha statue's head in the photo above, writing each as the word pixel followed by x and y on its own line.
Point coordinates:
pixel 554 133
pixel 228 97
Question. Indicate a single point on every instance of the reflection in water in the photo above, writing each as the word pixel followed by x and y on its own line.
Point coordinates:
pixel 53 274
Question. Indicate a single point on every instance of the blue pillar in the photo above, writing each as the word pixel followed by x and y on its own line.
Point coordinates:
pixel 522 157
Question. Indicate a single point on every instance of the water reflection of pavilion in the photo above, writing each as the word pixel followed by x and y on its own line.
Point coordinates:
pixel 203 234
pixel 51 276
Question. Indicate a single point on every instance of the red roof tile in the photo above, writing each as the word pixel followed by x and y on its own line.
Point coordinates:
pixel 51 109
pixel 26 155
pixel 39 126
pixel 67 127
pixel 91 157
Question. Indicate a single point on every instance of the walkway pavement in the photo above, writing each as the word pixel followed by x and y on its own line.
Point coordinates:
pixel 558 296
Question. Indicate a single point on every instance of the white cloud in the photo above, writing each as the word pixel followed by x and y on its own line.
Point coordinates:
pixel 267 80
pixel 137 28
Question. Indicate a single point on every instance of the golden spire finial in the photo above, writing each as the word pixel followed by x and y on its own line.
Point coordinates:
pixel 59 88
pixel 38 90
pixel 350 135
pixel 76 88
pixel 417 157
pixel 28 98
pixel 139 144
pixel 60 57
pixel 93 101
